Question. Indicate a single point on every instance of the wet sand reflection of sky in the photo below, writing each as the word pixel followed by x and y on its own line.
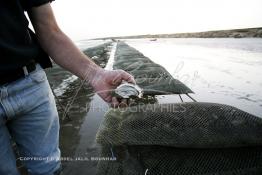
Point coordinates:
pixel 228 70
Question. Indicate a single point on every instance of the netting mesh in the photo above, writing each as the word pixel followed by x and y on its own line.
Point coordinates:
pixel 153 78
pixel 186 138
pixel 157 160
pixel 161 86
pixel 184 125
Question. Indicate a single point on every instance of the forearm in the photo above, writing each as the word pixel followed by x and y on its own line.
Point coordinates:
pixel 58 46
pixel 63 51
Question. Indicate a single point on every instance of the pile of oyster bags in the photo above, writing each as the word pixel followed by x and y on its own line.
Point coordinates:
pixel 189 138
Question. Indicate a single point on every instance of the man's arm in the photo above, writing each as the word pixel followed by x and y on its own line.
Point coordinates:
pixel 64 52
pixel 59 47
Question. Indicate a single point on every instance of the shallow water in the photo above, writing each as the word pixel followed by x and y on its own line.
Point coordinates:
pixel 84 113
pixel 224 71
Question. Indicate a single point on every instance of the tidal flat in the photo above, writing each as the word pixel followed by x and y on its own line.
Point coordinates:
pixel 224 70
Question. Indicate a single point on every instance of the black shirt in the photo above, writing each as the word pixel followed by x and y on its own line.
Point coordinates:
pixel 18 44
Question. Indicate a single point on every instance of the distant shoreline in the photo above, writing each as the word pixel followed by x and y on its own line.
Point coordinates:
pixel 234 33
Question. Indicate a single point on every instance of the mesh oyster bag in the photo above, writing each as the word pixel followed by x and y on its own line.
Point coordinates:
pixel 152 77
pixel 158 160
pixel 162 86
pixel 183 125
pixel 185 138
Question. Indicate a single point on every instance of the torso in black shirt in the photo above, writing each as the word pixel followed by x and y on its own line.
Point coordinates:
pixel 18 45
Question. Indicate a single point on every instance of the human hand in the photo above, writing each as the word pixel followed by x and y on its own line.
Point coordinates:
pixel 104 82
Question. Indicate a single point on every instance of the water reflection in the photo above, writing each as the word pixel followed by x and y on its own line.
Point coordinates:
pixel 217 70
pixel 79 121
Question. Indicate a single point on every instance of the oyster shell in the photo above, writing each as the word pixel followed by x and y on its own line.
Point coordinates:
pixel 128 90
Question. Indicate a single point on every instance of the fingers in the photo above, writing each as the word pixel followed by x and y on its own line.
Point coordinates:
pixel 127 77
pixel 112 79
pixel 131 80
pixel 123 103
pixel 119 76
pixel 107 99
pixel 114 102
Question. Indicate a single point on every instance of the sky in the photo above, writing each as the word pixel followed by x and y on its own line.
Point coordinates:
pixel 86 19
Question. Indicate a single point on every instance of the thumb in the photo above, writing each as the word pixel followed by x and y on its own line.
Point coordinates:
pixel 127 77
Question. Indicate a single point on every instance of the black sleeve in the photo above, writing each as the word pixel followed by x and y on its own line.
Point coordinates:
pixel 28 4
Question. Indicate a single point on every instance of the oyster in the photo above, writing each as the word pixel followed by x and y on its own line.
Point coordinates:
pixel 128 90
